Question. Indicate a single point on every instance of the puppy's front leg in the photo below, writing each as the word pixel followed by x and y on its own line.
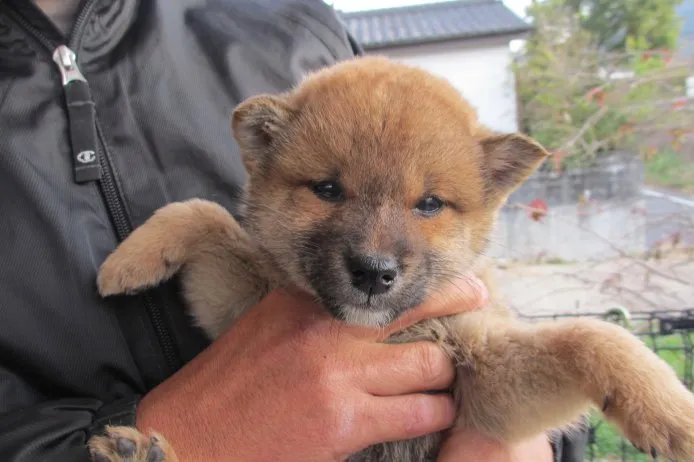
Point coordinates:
pixel 517 380
pixel 221 273
pixel 173 236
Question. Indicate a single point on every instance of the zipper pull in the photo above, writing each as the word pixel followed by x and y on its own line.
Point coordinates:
pixel 81 116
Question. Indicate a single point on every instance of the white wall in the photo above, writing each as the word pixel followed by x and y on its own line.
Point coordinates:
pixel 479 69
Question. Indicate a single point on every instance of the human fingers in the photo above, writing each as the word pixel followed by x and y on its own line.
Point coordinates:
pixel 397 418
pixel 399 369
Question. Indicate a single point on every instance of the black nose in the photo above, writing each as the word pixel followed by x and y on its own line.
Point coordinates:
pixel 373 274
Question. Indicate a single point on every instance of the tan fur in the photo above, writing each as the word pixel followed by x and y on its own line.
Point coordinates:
pixel 392 134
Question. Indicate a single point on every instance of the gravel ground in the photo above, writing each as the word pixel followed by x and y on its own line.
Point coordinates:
pixel 636 285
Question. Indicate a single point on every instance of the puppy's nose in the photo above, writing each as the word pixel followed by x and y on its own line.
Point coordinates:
pixel 373 274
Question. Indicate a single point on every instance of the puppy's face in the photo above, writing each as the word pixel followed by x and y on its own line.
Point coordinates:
pixel 372 184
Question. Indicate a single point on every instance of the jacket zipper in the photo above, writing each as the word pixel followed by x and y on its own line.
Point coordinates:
pixel 81 117
pixel 88 144
pixel 78 97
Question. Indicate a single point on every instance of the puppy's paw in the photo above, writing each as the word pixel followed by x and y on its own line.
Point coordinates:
pixel 131 269
pixel 126 444
pixel 150 255
pixel 658 421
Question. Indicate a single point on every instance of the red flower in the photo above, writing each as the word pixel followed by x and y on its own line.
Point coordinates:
pixel 538 209
pixel 679 103
pixel 596 94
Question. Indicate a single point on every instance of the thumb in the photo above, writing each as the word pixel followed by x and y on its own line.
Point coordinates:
pixel 466 293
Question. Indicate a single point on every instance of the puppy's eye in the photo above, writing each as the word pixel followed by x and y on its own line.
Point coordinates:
pixel 328 190
pixel 429 206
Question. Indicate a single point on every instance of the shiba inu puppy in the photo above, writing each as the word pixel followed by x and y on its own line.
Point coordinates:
pixel 371 184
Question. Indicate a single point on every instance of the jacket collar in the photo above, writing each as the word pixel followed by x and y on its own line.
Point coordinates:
pixel 100 25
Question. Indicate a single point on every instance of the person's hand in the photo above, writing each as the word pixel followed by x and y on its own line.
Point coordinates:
pixel 466 445
pixel 288 382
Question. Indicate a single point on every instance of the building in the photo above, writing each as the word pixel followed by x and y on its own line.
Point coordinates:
pixel 466 42
pixel 686 13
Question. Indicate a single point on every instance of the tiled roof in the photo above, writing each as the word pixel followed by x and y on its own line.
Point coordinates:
pixel 447 20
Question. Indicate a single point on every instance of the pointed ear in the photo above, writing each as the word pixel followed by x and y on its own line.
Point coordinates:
pixel 257 124
pixel 510 160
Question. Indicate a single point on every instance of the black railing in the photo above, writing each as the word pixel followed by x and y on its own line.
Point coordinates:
pixel 670 334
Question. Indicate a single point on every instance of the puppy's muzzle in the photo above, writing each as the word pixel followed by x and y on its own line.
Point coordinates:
pixel 373 274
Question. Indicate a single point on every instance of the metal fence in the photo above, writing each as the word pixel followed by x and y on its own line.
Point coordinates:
pixel 670 334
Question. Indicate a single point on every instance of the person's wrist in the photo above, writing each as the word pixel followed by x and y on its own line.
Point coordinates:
pixel 164 412
pixel 147 416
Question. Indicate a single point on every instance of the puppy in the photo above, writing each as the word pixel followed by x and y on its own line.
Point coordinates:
pixel 372 184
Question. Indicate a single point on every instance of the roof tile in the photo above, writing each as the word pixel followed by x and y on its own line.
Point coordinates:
pixel 447 20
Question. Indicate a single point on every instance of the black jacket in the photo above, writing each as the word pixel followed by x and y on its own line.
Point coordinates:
pixel 82 165
pixel 164 76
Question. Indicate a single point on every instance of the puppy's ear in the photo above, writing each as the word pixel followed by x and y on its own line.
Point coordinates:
pixel 257 124
pixel 509 161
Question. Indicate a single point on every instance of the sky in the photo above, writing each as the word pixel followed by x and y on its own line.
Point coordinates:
pixel 518 6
